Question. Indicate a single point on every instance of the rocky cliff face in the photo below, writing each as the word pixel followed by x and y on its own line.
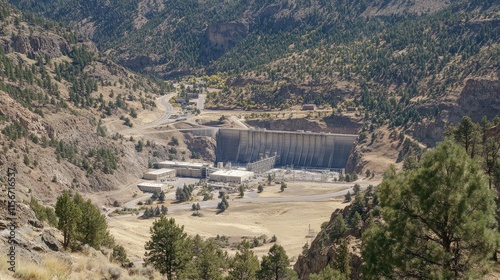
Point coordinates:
pixel 322 251
pixel 478 98
pixel 219 37
pixel 39 46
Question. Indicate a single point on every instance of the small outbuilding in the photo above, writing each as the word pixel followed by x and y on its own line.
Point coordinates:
pixel 309 107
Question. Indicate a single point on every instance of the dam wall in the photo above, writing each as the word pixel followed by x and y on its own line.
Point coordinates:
pixel 318 150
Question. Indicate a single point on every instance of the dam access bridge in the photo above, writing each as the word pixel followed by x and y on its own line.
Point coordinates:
pixel 297 148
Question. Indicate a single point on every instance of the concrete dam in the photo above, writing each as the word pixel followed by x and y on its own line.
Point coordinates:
pixel 317 150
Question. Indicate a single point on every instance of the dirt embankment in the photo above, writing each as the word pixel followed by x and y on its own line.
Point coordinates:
pixel 332 124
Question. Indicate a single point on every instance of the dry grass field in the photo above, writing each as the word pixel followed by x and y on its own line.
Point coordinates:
pixel 289 221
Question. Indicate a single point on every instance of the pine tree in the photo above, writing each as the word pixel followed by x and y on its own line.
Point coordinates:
pixel 161 197
pixel 208 263
pixel 347 197
pixel 169 249
pixel 164 210
pixel 439 217
pixel 92 226
pixel 275 264
pixel 328 273
pixel 338 228
pixel 68 214
pixel 342 259
pixel 244 265
pixel 241 190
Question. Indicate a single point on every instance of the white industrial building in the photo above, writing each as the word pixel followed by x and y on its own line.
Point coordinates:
pixel 231 176
pixel 159 174
pixel 186 169
pixel 151 187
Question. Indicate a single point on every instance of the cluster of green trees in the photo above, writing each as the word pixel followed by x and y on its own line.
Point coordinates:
pixel 223 204
pixel 102 158
pixel 196 207
pixel 441 212
pixel 439 220
pixel 15 131
pixel 43 213
pixel 185 193
pixel 174 254
pixel 157 212
pixel 81 222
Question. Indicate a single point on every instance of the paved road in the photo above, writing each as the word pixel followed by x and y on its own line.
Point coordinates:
pixel 165 118
pixel 169 109
pixel 237 121
pixel 201 102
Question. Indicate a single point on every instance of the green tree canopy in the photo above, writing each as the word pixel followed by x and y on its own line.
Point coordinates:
pixel 68 214
pixel 245 264
pixel 169 249
pixel 439 220
pixel 328 273
pixel 274 266
pixel 338 228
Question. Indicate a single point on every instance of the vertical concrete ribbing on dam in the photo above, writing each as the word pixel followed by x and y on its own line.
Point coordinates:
pixel 297 148
pixel 313 153
pixel 287 145
pixel 330 160
pixel 306 147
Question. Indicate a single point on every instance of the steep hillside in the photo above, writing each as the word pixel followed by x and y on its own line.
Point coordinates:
pixel 55 89
pixel 174 37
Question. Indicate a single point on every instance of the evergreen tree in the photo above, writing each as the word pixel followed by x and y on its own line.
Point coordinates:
pixel 119 254
pixel 356 189
pixel 274 265
pixel 328 273
pixel 244 265
pixel 347 197
pixel 439 220
pixel 208 263
pixel 260 188
pixel 338 228
pixel 169 249
pixel 68 215
pixel 92 226
pixel 466 135
pixel 164 210
pixel 161 197
pixel 342 259
pixel 241 190
pixel 355 221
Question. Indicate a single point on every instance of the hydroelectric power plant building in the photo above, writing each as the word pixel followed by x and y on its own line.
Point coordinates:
pixel 300 149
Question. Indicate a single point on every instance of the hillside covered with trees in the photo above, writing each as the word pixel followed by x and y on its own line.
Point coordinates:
pixel 56 88
pixel 411 64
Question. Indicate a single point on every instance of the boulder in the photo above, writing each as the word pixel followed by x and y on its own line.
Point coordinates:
pixel 51 241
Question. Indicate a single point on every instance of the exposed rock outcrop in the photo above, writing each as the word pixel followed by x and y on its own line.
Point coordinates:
pixel 323 250
pixel 37 45
pixel 219 37
pixel 204 146
pixel 478 98
pixel 48 237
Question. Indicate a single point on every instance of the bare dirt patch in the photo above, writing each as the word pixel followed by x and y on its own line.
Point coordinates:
pixel 298 189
